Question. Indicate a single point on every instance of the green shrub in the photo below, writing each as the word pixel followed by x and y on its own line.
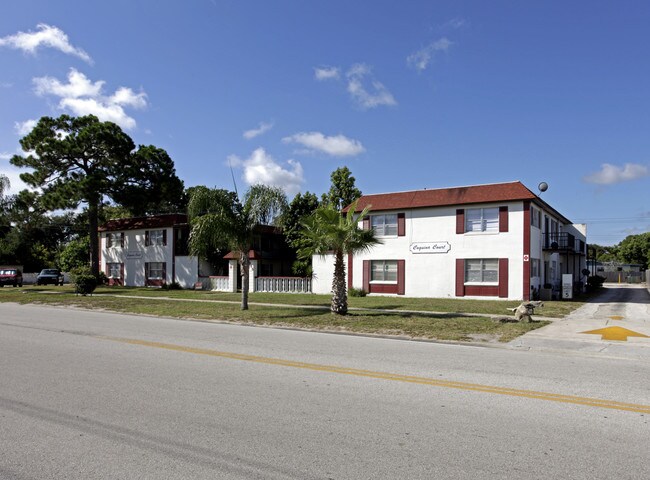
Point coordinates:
pixel 357 292
pixel 84 282
pixel 172 286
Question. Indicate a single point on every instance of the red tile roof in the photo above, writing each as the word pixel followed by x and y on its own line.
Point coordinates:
pixel 439 197
pixel 137 223
pixel 498 192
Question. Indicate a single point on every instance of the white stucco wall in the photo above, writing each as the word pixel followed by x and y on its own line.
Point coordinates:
pixel 135 254
pixel 187 271
pixel 433 274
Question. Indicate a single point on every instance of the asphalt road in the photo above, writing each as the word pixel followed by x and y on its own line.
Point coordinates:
pixel 90 395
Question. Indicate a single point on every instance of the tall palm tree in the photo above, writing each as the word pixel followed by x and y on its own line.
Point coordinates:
pixel 326 231
pixel 220 220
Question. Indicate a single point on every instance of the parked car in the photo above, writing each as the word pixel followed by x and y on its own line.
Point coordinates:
pixel 11 276
pixel 50 275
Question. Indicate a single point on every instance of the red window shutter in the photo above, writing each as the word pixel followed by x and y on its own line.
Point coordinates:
pixel 108 241
pixel 401 225
pixel 121 271
pixel 460 220
pixel 164 272
pixel 164 237
pixel 366 275
pixel 503 277
pixel 350 271
pixel 366 224
pixel 106 269
pixel 503 219
pixel 146 270
pixel 460 277
pixel 146 238
pixel 122 239
pixel 401 277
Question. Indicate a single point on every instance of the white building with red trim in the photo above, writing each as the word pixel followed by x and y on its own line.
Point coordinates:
pixel 153 251
pixel 483 241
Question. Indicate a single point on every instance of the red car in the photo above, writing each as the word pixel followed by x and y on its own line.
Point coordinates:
pixel 11 276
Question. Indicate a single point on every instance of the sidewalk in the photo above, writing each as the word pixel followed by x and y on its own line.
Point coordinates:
pixel 616 323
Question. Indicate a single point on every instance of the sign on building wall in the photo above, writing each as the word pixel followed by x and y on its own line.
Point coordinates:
pixel 133 255
pixel 430 247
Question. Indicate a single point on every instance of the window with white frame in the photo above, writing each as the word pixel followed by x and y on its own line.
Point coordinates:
pixel 383 271
pixel 114 239
pixel 114 270
pixel 384 225
pixel 155 270
pixel 482 219
pixel 482 270
pixel 156 237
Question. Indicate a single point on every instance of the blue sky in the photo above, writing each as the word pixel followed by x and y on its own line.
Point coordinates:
pixel 407 94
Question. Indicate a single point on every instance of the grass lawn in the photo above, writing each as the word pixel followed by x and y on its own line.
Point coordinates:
pixel 450 325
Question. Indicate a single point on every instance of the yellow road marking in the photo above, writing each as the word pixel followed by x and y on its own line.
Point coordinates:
pixel 552 397
pixel 616 317
pixel 616 333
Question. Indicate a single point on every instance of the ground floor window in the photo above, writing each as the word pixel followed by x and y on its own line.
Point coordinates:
pixel 481 270
pixel 114 270
pixel 155 270
pixel 534 267
pixel 383 271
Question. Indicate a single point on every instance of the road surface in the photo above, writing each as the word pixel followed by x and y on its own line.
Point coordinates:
pixel 95 395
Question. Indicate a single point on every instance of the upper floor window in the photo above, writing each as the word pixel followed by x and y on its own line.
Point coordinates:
pixel 114 239
pixel 383 270
pixel 535 217
pixel 482 219
pixel 481 270
pixel 384 225
pixel 155 237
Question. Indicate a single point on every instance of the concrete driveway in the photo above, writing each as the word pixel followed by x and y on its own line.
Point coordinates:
pixel 615 323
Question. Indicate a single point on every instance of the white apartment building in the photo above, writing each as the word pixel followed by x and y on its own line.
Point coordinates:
pixel 483 241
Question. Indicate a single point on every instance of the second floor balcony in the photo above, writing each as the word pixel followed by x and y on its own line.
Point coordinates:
pixel 564 242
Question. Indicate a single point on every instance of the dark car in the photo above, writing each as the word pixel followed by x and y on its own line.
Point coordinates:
pixel 50 275
pixel 11 276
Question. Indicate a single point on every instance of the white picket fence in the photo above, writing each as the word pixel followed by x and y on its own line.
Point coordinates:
pixel 283 284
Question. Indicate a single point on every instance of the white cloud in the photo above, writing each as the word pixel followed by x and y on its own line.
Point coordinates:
pixel 256 132
pixel 23 128
pixel 611 174
pixel 46 36
pixel 78 86
pixel 421 59
pixel 260 167
pixel 327 73
pixel 5 155
pixel 6 85
pixel 337 145
pixel 84 97
pixel 359 75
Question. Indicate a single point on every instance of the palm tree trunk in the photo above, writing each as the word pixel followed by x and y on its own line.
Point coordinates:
pixel 339 288
pixel 245 271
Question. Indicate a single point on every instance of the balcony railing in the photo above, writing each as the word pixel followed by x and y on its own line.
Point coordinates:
pixel 563 241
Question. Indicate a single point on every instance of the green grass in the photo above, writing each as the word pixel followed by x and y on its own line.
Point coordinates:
pixel 450 326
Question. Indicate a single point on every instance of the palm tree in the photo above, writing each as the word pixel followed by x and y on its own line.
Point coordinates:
pixel 326 231
pixel 220 220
